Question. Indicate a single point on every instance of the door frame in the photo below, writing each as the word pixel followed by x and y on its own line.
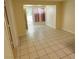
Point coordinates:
pixel 11 20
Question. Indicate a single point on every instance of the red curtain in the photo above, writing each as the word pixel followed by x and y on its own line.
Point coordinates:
pixel 39 14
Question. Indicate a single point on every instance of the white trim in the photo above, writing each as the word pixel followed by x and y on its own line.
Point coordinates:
pixel 54 27
pixel 68 30
pixel 11 19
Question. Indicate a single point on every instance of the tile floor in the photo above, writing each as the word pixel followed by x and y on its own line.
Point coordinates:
pixel 43 42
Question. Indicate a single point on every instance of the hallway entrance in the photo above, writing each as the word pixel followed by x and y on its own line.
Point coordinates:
pixel 35 15
pixel 40 14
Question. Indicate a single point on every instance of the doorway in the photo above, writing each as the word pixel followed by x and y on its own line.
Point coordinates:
pixel 35 15
pixel 40 14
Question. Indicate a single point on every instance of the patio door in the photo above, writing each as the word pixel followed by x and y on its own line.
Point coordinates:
pixel 39 14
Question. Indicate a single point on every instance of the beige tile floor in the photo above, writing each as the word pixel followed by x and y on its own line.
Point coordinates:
pixel 43 42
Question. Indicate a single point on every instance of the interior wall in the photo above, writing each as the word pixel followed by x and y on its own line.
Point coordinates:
pixel 19 17
pixel 59 15
pixel 69 16
pixel 29 16
pixel 8 54
pixel 50 15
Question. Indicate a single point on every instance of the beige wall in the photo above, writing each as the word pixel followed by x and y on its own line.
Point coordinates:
pixel 8 54
pixel 19 17
pixel 59 15
pixel 69 16
pixel 50 15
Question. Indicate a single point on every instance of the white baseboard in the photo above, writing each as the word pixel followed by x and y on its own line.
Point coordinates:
pixel 68 30
pixel 51 26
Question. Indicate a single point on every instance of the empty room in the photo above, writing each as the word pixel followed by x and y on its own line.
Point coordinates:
pixel 39 29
